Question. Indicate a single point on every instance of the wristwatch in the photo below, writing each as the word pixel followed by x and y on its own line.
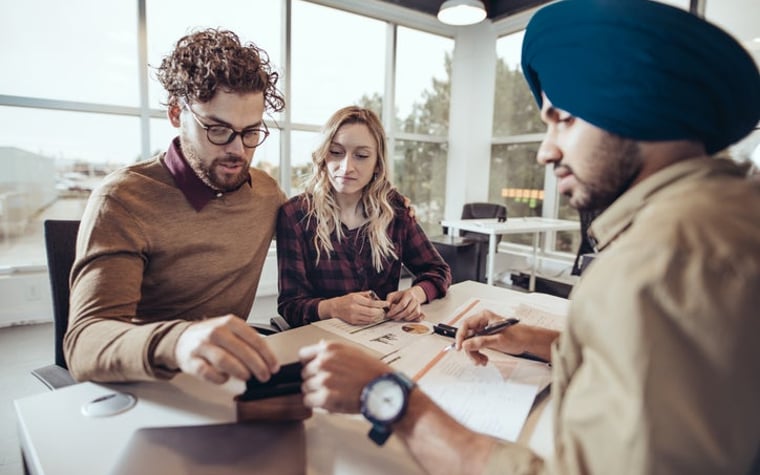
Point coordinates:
pixel 384 401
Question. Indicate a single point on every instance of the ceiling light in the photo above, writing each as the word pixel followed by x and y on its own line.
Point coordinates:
pixel 462 12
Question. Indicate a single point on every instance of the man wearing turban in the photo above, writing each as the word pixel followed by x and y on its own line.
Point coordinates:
pixel 659 368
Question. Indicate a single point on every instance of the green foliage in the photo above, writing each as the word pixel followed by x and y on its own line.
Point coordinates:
pixel 420 167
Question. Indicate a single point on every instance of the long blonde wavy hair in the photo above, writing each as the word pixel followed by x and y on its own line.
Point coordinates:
pixel 320 195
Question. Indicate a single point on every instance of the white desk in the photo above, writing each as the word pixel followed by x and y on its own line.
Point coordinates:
pixel 56 438
pixel 493 228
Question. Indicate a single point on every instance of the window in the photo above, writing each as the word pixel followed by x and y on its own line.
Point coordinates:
pixel 168 20
pixel 302 145
pixel 37 37
pixel 51 161
pixel 423 82
pixel 423 89
pixel 338 59
pixel 420 175
pixel 71 117
pixel 516 179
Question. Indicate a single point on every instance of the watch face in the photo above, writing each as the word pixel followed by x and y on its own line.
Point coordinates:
pixel 385 400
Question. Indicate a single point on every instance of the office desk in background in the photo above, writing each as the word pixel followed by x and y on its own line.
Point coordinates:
pixel 516 225
pixel 56 438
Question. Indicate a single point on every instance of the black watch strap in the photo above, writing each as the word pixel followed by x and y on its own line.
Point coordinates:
pixel 379 433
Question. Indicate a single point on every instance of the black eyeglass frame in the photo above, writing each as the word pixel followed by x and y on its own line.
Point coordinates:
pixel 263 130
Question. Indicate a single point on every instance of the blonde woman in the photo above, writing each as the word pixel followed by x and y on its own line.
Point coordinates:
pixel 341 244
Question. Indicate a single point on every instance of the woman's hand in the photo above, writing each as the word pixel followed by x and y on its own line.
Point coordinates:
pixel 405 304
pixel 357 308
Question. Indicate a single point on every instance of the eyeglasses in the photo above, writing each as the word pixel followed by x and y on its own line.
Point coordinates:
pixel 223 135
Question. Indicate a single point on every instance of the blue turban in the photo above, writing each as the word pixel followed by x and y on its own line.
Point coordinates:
pixel 642 70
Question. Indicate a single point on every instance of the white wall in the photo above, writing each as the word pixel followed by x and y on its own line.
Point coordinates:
pixel 470 117
pixel 25 298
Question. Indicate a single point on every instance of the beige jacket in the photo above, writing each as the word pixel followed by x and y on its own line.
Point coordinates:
pixel 659 369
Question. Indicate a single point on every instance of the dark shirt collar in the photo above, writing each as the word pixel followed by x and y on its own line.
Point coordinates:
pixel 197 193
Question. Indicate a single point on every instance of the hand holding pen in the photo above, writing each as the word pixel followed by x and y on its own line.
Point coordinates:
pixel 497 334
pixel 356 308
pixel 490 329
pixel 406 304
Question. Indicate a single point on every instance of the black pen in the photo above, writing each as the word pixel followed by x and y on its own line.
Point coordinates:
pixel 374 296
pixel 492 328
pixel 489 329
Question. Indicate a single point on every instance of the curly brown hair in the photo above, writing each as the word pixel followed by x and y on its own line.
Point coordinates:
pixel 206 60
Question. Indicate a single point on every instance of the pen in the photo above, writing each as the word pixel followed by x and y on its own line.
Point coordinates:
pixel 445 330
pixel 490 329
pixel 374 296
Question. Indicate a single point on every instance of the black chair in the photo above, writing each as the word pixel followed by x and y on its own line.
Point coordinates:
pixel 460 255
pixel 60 245
pixel 482 211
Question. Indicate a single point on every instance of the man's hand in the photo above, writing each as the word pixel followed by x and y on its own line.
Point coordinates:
pixel 218 348
pixel 334 375
pixel 516 340
pixel 503 341
pixel 357 308
pixel 405 304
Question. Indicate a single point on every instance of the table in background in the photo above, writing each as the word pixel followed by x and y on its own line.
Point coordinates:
pixel 493 228
pixel 56 438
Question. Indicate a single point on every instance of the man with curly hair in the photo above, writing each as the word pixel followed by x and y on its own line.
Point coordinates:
pixel 170 251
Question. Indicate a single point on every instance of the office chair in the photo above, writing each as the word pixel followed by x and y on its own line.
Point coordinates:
pixel 60 245
pixel 482 211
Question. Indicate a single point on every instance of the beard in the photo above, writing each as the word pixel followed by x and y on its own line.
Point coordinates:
pixel 613 166
pixel 213 174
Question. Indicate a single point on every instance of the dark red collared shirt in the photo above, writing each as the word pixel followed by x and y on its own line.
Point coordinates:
pixel 304 283
pixel 197 193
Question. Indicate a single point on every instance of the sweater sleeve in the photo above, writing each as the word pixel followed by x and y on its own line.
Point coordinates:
pixel 103 343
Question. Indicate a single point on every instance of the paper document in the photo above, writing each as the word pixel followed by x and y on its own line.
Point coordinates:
pixel 494 399
pixel 539 310
pixel 384 337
